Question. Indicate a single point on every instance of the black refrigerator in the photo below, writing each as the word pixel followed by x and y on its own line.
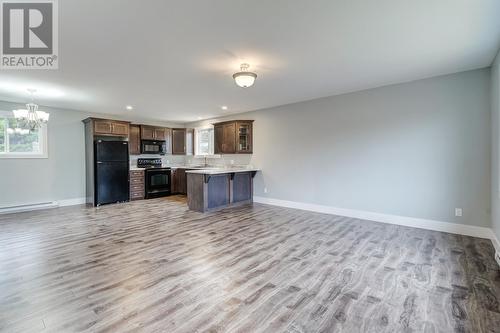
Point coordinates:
pixel 111 172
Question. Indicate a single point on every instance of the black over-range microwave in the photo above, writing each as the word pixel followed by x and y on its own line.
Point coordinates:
pixel 153 147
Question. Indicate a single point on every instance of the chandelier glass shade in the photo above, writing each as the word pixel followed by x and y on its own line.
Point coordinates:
pixel 31 117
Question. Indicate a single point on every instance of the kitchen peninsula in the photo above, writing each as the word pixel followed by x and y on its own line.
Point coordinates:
pixel 213 189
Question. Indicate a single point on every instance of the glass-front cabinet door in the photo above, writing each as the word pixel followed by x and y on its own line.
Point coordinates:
pixel 244 137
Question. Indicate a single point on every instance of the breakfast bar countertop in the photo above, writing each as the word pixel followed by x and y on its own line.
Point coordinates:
pixel 218 171
pixel 216 188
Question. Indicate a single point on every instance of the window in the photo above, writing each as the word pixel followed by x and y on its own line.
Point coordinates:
pixel 204 139
pixel 18 142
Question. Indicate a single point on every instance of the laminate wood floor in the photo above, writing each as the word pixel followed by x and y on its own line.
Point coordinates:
pixel 154 266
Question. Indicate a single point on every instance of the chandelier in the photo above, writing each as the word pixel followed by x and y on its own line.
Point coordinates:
pixel 31 118
pixel 244 78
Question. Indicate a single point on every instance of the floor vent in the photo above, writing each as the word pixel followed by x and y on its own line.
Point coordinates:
pixel 26 208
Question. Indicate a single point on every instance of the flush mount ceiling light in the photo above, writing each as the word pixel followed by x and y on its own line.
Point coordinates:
pixel 129 107
pixel 223 107
pixel 31 117
pixel 244 78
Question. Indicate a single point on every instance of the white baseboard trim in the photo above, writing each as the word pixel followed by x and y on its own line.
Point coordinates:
pixel 71 202
pixel 454 228
pixel 495 241
pixel 28 207
pixel 496 244
pixel 43 205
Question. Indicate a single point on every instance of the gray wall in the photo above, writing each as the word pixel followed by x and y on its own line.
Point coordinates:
pixel 416 149
pixel 61 175
pixel 495 179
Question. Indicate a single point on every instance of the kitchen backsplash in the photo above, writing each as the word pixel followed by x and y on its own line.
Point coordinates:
pixel 167 160
pixel 221 160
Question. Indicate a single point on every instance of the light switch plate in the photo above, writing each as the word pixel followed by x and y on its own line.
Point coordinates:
pixel 458 212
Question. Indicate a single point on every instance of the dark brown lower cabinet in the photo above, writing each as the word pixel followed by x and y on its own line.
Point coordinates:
pixel 173 181
pixel 137 190
pixel 179 181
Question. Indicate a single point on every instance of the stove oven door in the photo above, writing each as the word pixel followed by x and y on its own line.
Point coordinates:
pixel 157 183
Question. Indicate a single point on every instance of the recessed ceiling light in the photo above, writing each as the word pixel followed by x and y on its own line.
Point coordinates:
pixel 223 107
pixel 199 118
pixel 129 107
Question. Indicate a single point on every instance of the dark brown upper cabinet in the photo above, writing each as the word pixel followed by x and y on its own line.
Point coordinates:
pixel 229 142
pixel 244 139
pixel 147 133
pixel 182 141
pixel 154 133
pixel 218 138
pixel 178 141
pixel 159 134
pixel 233 137
pixel 108 127
pixel 134 140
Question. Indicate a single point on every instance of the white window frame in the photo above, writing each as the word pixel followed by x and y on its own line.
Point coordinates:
pixel 42 139
pixel 196 149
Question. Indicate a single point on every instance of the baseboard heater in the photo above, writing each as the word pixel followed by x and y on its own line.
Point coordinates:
pixel 25 208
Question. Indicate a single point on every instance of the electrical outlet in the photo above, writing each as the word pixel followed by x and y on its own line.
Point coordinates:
pixel 458 211
pixel 497 257
pixel 231 161
pixel 265 190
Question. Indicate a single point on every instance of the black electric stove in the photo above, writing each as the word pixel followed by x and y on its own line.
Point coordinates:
pixel 157 177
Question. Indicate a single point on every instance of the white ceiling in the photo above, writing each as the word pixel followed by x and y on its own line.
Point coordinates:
pixel 173 60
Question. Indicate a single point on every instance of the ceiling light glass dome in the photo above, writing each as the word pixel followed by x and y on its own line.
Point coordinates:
pixel 244 78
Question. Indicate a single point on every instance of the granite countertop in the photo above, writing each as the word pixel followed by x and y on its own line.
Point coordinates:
pixel 133 168
pixel 217 171
pixel 202 168
pixel 196 167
